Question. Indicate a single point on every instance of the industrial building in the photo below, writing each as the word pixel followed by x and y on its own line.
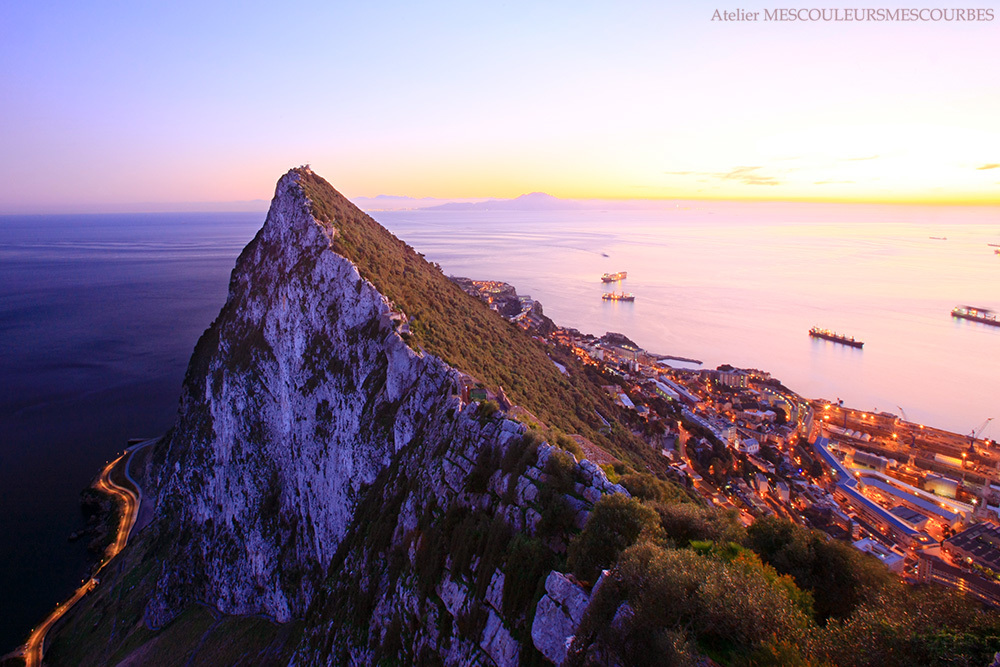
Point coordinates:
pixel 977 545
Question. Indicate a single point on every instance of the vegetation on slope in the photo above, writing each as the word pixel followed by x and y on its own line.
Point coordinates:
pixel 449 323
pixel 107 626
pixel 697 583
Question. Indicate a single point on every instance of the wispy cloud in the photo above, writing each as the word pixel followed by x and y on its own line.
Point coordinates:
pixel 992 165
pixel 746 175
pixel 750 176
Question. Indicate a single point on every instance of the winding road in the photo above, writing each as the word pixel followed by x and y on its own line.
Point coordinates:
pixel 32 650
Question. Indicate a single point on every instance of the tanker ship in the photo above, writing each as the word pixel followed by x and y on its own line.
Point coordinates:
pixel 826 334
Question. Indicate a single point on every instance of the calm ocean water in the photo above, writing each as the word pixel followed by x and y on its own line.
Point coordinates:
pixel 742 284
pixel 99 314
pixel 98 317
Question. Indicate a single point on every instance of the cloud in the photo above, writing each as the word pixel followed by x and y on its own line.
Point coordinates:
pixel 745 175
pixel 832 182
pixel 750 176
pixel 992 165
pixel 861 159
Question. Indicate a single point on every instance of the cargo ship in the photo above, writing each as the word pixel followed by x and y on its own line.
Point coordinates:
pixel 826 334
pixel 614 277
pixel 976 315
pixel 618 296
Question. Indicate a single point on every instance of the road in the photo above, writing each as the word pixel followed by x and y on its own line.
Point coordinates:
pixel 130 503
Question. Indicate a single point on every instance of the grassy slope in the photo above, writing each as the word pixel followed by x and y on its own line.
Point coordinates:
pixel 465 333
pixel 106 627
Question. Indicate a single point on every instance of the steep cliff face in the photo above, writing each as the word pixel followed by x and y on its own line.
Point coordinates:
pixel 296 397
pixel 322 470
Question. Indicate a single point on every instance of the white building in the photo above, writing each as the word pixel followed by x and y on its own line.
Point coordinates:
pixel 749 446
pixel 889 558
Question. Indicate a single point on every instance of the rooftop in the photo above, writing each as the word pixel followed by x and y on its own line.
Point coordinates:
pixel 982 542
pixel 911 498
pixel 907 514
pixel 889 558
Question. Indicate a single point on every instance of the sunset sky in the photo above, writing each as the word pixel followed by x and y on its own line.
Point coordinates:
pixel 127 106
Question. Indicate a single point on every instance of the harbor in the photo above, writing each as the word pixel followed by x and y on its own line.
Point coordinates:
pixel 906 492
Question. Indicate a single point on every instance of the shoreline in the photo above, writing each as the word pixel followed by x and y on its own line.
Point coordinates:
pixel 32 651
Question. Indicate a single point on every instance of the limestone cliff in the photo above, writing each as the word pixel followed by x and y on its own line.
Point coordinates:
pixel 322 469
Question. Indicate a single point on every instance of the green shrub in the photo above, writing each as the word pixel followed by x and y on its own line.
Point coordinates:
pixel 486 464
pixel 564 441
pixel 646 487
pixel 611 473
pixel 728 607
pixel 560 467
pixel 486 410
pixel 557 516
pixel 684 522
pixel 528 561
pixel 839 576
pixel 521 453
pixel 615 524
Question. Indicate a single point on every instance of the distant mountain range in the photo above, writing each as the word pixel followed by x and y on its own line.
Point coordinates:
pixel 535 201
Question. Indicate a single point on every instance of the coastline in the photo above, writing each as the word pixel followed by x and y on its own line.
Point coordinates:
pixel 131 501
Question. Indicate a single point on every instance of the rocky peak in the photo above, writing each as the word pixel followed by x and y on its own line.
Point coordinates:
pixel 296 397
pixel 324 467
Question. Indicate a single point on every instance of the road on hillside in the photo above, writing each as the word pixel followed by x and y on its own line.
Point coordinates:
pixel 130 510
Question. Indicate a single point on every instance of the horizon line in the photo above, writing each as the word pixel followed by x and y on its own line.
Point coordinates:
pixel 262 205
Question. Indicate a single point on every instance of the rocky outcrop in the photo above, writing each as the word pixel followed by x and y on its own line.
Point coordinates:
pixel 558 616
pixel 296 398
pixel 465 613
pixel 322 470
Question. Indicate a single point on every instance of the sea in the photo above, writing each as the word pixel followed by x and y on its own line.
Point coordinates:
pixel 99 315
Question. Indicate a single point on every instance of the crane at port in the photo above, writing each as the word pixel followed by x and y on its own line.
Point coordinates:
pixel 913 434
pixel 978 431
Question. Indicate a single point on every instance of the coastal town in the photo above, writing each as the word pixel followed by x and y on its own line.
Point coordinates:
pixel 923 501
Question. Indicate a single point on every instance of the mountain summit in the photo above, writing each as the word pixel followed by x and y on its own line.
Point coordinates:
pixel 328 472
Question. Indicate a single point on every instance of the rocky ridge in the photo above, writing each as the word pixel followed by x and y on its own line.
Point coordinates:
pixel 314 446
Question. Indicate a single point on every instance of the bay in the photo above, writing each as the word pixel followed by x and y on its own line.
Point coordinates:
pixel 742 283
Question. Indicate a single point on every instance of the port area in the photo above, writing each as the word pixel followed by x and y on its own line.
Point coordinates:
pixel 924 501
